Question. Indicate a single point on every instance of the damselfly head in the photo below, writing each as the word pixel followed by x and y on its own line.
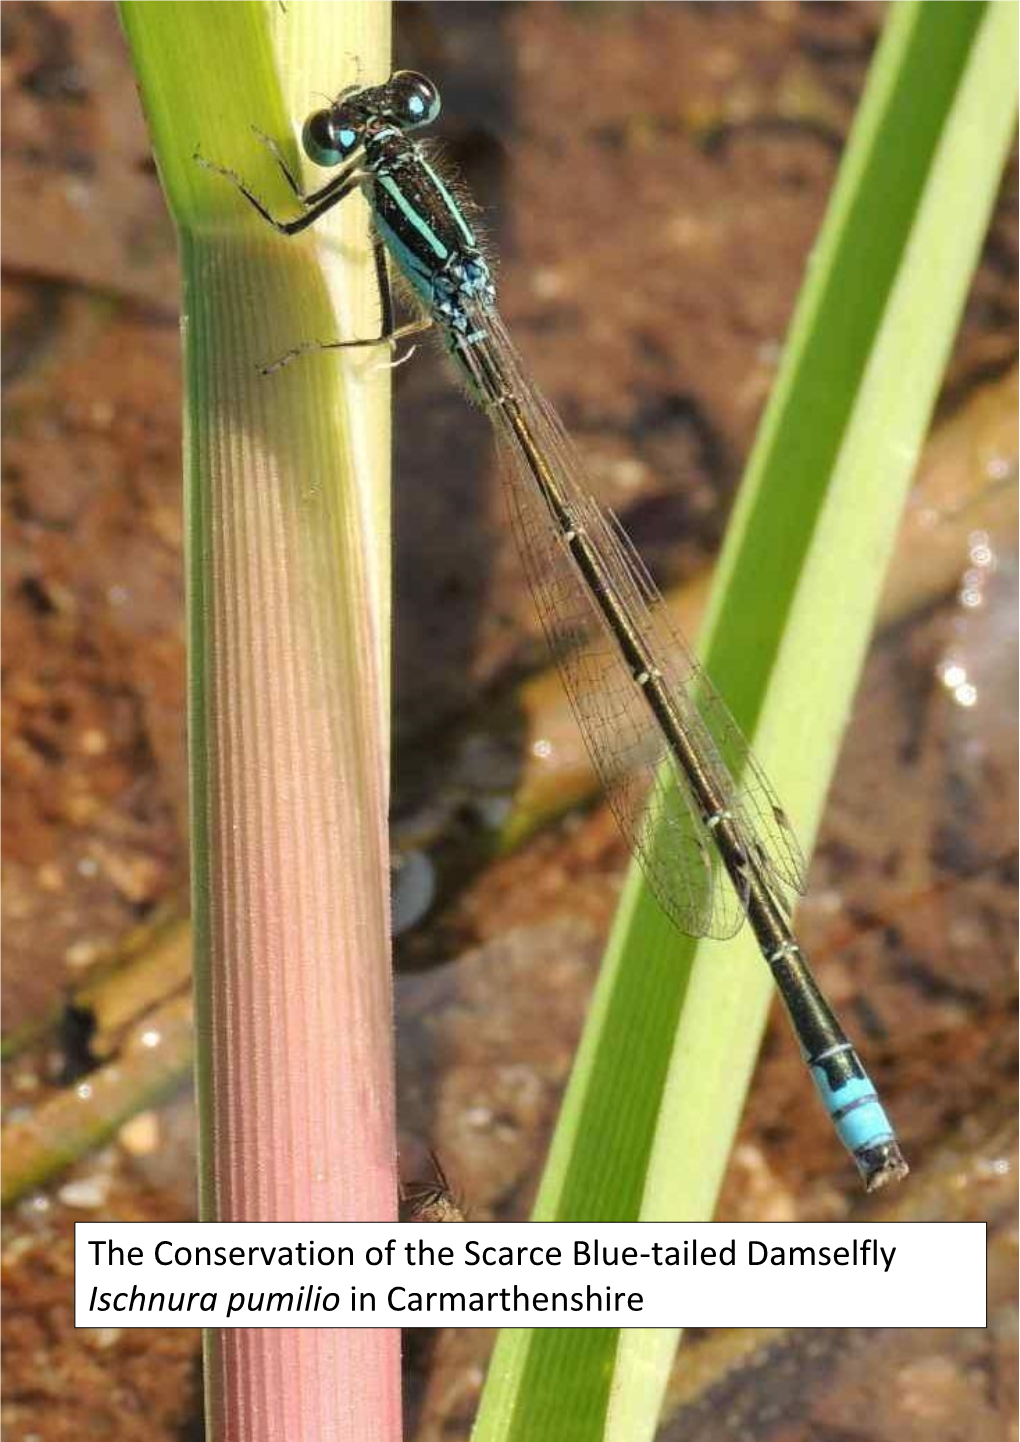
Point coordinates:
pixel 406 101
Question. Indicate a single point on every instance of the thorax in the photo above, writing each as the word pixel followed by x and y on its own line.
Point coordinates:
pixel 424 227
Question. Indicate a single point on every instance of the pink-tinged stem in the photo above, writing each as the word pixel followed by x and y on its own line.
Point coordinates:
pixel 288 546
pixel 289 764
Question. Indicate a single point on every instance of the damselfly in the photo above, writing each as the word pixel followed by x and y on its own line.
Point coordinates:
pixel 693 803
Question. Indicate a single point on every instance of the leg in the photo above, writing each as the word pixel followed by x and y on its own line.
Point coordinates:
pixel 388 334
pixel 322 200
pixel 306 198
pixel 382 280
pixel 285 170
pixel 414 327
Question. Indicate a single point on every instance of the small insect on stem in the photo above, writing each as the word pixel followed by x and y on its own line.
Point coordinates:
pixel 431 1201
pixel 716 846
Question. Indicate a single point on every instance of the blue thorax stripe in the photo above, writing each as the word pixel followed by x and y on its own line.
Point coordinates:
pixel 451 204
pixel 407 209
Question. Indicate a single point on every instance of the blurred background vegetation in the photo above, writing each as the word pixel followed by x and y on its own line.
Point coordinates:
pixel 652 307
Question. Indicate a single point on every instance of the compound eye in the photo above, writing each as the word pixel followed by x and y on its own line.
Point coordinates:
pixel 327 139
pixel 414 97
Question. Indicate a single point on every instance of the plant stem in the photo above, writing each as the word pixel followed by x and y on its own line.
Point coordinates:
pixel 287 577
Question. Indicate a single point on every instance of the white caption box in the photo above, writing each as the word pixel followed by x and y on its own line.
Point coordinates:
pixel 526 1274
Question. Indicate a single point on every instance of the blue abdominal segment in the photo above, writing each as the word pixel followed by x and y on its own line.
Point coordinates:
pixel 853 1105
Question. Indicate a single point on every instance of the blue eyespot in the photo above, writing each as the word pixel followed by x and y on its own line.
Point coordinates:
pixel 416 105
pixel 347 139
